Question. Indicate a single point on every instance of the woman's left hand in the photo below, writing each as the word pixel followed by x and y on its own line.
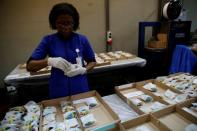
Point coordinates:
pixel 76 70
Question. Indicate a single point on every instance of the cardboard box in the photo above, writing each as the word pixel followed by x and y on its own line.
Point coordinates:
pixel 161 89
pixel 22 66
pixel 103 63
pixel 106 57
pixel 125 92
pixel 126 54
pixel 146 120
pixel 175 118
pixel 160 43
pixel 184 82
pixel 100 61
pixel 162 37
pixel 59 114
pixel 116 56
pixel 42 71
pixel 119 127
pixel 157 44
pixel 106 119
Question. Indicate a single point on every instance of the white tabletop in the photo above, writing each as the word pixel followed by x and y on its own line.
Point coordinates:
pixel 18 75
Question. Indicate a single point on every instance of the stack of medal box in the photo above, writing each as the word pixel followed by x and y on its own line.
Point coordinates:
pixel 165 107
pixel 102 59
pixel 160 106
pixel 82 112
pixel 106 58
pixel 85 111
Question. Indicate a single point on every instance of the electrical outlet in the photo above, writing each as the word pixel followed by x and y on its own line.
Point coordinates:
pixel 11 88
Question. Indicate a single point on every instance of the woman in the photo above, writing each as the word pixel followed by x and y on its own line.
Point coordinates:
pixel 67 51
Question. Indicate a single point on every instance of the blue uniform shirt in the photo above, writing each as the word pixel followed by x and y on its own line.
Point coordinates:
pixel 55 46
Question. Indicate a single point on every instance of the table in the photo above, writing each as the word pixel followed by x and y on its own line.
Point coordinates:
pixel 21 75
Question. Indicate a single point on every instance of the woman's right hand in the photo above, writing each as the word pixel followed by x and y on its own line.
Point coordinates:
pixel 60 63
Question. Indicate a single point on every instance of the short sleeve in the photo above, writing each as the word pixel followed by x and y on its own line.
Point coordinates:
pixel 41 50
pixel 88 52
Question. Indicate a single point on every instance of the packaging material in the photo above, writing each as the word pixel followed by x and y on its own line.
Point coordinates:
pixel 151 87
pixel 169 94
pixel 72 123
pixel 181 98
pixel 22 118
pixel 49 110
pixel 91 102
pixel 146 98
pixel 83 110
pixel 70 115
pixel 49 118
pixel 66 106
pixel 88 120
pixel 136 101
pixel 157 106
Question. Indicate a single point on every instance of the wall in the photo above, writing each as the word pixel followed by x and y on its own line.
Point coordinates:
pixel 24 22
pixel 190 6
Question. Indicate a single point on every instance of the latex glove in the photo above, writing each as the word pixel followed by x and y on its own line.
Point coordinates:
pixel 60 63
pixel 75 70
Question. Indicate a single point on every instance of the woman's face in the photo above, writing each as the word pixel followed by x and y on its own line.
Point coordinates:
pixel 64 25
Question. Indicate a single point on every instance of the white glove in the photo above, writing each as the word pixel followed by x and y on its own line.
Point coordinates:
pixel 75 70
pixel 60 63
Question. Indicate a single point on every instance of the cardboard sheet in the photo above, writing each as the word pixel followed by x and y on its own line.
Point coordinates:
pixel 123 111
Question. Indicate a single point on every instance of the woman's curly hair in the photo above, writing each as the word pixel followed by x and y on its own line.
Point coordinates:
pixel 63 8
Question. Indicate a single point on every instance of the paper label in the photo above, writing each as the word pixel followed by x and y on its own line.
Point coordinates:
pixel 79 61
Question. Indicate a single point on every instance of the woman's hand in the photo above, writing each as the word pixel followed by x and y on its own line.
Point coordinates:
pixel 60 63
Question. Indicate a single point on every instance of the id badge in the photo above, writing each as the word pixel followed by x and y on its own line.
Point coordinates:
pixel 79 61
